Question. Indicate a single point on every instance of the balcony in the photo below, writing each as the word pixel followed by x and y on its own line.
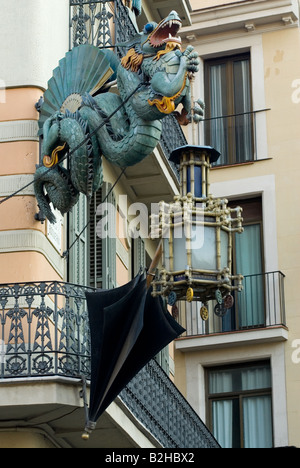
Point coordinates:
pixel 44 338
pixel 237 137
pixel 258 314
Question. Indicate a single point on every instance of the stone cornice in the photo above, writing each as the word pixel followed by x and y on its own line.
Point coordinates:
pixel 245 16
pixel 33 241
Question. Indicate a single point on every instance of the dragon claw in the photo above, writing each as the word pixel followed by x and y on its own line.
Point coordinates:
pixel 192 59
pixel 197 114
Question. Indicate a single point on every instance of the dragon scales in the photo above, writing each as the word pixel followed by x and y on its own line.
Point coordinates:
pixel 152 79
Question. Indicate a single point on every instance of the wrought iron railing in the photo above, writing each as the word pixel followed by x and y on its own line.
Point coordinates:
pixel 234 136
pixel 259 305
pixel 44 331
pixel 154 399
pixel 106 23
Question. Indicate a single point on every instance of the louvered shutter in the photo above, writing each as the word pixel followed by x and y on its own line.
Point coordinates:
pixel 95 244
pixel 109 242
pixel 78 253
pixel 102 239
pixel 139 255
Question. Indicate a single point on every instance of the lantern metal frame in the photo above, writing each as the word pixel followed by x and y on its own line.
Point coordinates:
pixel 195 210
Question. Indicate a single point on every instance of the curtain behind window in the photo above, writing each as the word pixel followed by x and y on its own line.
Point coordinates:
pixel 228 93
pixel 242 104
pixel 256 410
pixel 249 262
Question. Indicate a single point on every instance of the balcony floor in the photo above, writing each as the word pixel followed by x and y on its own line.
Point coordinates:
pixel 230 339
pixel 53 407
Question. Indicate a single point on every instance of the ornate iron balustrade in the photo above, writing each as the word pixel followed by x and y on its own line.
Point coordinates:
pixel 98 23
pixel 259 305
pixel 152 396
pixel 234 136
pixel 44 331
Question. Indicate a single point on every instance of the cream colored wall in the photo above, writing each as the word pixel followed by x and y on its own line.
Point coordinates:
pixel 26 254
pixel 201 4
pixel 37 35
pixel 282 58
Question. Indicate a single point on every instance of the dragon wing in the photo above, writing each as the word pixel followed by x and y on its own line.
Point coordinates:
pixel 84 69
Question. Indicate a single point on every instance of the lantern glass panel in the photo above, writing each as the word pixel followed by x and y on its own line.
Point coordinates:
pixel 180 253
pixel 204 254
pixel 224 249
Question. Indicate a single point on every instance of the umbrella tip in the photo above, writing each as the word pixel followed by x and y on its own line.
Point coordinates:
pixel 90 426
pixel 85 436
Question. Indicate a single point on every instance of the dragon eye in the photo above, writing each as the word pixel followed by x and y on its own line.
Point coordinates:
pixel 149 28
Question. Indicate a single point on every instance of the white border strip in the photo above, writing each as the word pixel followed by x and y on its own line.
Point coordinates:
pixel 30 240
pixel 19 130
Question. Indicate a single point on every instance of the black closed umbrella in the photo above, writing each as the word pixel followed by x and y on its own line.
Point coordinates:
pixel 128 328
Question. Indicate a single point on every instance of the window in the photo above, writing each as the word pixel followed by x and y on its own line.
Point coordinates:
pixel 229 121
pixel 249 308
pixel 138 256
pixel 102 239
pixel 92 258
pixel 77 238
pixel 240 405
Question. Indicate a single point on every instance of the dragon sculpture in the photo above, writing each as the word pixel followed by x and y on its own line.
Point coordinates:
pixel 80 124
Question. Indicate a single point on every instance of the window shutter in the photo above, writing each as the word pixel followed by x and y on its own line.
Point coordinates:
pixel 109 244
pixel 95 244
pixel 102 245
pixel 163 359
pixel 139 255
pixel 78 252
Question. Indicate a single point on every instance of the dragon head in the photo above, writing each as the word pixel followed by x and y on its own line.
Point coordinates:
pixel 154 41
pixel 58 182
pixel 156 36
pixel 68 133
pixel 54 148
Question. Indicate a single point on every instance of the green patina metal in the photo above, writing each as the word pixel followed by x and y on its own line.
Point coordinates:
pixel 81 118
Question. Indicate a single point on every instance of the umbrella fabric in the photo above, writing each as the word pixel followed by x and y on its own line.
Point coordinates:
pixel 108 330
pixel 128 328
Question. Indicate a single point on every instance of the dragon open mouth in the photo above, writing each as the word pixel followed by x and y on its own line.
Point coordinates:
pixel 166 31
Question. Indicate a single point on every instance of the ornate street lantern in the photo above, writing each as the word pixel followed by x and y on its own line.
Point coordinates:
pixel 196 232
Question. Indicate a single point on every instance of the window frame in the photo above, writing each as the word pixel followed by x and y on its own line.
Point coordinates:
pixel 253 216
pixel 231 114
pixel 237 394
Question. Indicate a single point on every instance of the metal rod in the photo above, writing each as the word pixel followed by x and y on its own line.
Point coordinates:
pixel 154 263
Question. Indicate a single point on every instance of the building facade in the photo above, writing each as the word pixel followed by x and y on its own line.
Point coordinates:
pixel 238 373
pixel 241 371
pixel 46 269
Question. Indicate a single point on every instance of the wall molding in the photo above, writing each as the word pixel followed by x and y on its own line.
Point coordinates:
pixel 19 130
pixel 11 183
pixel 27 240
pixel 266 187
